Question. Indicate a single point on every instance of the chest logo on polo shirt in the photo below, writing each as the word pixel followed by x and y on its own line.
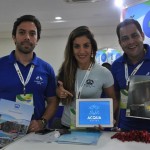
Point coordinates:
pixel 39 80
pixel 89 83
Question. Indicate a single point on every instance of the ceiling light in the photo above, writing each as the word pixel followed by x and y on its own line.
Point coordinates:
pixel 119 3
pixel 58 18
pixel 81 1
pixel 58 21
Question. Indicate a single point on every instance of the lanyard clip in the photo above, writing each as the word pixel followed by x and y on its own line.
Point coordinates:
pixel 127 84
pixel 24 90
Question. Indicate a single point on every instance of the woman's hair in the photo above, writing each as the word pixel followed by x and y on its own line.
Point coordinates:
pixel 67 71
pixel 107 65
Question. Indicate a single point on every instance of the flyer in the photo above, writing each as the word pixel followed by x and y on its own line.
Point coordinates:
pixel 138 103
pixel 80 137
pixel 15 118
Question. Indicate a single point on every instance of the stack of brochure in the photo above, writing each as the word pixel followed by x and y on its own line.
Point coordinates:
pixel 80 137
pixel 15 118
pixel 138 104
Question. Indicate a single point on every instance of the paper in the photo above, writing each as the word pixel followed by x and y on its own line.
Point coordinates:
pixel 46 138
pixel 14 120
pixel 80 137
pixel 138 105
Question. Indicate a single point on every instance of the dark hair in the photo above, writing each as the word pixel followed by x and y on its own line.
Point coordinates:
pixel 69 67
pixel 26 18
pixel 128 22
pixel 107 65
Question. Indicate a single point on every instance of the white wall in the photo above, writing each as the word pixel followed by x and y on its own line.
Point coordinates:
pixel 51 48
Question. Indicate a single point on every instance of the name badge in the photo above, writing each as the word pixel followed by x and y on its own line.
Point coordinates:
pixel 25 98
pixel 124 98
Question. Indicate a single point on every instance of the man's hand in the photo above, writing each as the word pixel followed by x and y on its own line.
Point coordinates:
pixel 35 125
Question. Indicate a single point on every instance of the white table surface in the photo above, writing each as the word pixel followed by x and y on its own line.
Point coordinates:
pixel 104 143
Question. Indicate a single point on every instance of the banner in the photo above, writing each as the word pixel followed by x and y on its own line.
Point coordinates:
pixel 107 55
pixel 141 13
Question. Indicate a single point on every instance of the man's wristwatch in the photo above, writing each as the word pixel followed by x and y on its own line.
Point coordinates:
pixel 44 122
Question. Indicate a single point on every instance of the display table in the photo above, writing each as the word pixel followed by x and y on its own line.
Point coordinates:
pixel 104 143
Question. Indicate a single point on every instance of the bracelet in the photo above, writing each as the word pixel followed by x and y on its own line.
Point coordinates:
pixel 44 122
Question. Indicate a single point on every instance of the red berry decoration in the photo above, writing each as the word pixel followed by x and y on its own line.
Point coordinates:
pixel 133 135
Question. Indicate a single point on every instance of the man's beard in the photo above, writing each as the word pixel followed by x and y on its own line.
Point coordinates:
pixel 25 49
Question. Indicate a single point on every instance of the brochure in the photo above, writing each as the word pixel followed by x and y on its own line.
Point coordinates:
pixel 15 118
pixel 80 137
pixel 138 104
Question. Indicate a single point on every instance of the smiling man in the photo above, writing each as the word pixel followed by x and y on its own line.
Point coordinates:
pixel 135 61
pixel 23 74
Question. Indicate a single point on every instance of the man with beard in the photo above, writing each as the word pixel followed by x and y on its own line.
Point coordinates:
pixel 23 73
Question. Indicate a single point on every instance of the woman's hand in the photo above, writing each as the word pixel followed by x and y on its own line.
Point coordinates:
pixel 61 92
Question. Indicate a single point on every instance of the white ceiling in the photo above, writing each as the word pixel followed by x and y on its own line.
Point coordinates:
pixel 99 14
